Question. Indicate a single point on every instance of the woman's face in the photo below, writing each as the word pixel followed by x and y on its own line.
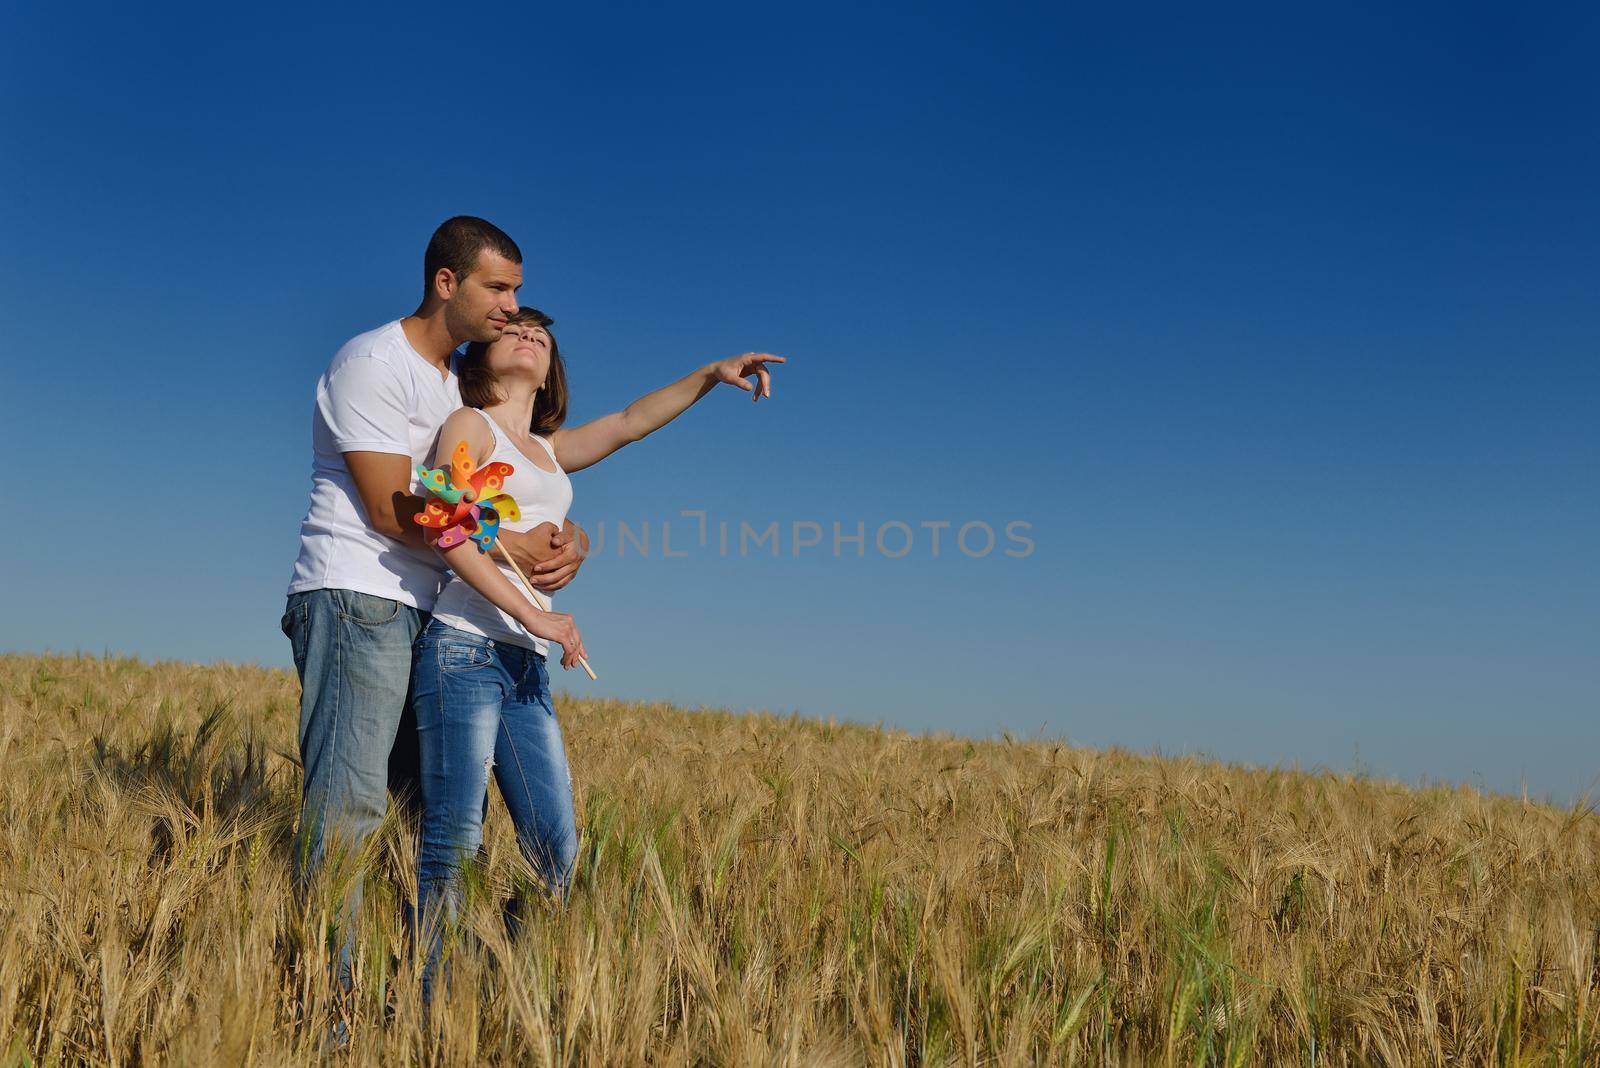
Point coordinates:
pixel 523 351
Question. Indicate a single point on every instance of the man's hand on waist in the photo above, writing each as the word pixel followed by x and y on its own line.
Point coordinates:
pixel 548 557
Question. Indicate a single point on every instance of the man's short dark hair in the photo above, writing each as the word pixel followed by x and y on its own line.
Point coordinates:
pixel 457 243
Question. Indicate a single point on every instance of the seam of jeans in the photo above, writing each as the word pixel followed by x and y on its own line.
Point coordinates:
pixel 544 690
pixel 522 776
pixel 444 700
pixel 551 849
pixel 522 675
pixel 292 626
pixel 331 749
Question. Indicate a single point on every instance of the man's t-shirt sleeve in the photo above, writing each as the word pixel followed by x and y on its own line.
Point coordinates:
pixel 364 406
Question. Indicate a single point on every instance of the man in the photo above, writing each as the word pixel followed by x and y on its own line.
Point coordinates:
pixel 364 579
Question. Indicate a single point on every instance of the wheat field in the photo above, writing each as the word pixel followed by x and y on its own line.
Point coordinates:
pixel 760 890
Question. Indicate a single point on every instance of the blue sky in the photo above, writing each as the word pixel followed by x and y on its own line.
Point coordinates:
pixel 1276 327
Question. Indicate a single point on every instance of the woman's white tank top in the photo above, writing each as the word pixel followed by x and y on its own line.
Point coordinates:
pixel 542 497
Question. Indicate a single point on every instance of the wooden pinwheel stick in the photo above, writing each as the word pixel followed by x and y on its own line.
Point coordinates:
pixel 544 605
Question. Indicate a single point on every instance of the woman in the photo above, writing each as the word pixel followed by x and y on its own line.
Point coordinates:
pixel 481 691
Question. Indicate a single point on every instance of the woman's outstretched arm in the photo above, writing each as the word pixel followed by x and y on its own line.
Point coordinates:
pixel 592 442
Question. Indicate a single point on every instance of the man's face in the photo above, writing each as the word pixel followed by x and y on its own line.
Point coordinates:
pixel 481 302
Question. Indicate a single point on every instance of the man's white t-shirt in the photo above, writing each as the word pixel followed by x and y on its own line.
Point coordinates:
pixel 378 395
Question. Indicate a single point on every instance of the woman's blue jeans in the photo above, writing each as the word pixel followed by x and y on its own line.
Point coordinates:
pixel 485 706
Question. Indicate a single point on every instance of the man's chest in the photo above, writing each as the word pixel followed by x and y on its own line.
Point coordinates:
pixel 431 406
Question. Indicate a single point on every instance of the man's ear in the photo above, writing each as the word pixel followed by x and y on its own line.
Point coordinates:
pixel 444 283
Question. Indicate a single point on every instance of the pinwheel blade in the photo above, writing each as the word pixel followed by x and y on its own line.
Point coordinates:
pixel 490 479
pixel 505 507
pixel 462 465
pixel 488 529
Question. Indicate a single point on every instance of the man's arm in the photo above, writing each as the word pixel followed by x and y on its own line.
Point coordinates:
pixel 364 405
pixel 549 565
pixel 383 480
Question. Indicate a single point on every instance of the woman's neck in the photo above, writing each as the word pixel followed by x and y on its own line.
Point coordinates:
pixel 515 412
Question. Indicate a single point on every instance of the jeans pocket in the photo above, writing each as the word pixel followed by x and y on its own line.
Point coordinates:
pixel 365 608
pixel 463 656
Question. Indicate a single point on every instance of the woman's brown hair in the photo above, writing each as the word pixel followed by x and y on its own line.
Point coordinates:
pixel 480 388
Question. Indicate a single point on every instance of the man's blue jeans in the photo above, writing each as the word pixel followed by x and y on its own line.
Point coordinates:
pixel 485 706
pixel 357 735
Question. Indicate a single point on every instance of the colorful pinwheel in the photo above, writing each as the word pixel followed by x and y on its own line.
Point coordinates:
pixel 469 502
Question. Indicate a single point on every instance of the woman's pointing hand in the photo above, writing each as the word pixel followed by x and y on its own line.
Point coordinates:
pixel 735 369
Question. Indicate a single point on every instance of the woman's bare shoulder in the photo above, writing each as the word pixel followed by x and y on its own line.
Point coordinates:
pixel 466 424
